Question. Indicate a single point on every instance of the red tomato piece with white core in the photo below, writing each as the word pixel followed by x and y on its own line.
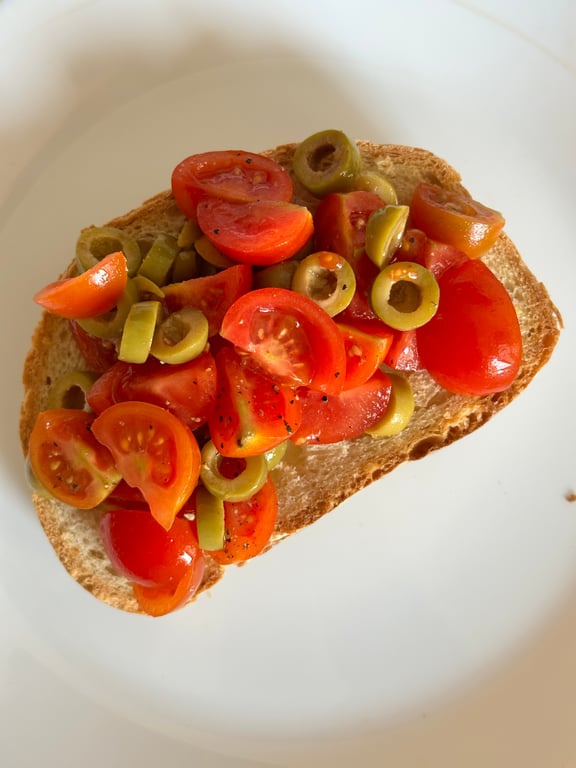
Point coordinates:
pixel 340 222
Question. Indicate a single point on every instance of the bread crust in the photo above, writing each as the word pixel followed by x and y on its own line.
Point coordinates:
pixel 305 478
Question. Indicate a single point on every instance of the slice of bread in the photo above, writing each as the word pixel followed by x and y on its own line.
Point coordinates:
pixel 311 480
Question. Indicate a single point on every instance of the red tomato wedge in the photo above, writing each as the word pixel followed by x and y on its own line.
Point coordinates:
pixel 332 418
pixel 159 601
pixel 365 353
pixel 154 451
pixel 456 219
pixel 212 295
pixel 340 222
pixel 99 354
pixel 260 232
pixel 253 414
pixel 68 461
pixel 88 294
pixel 473 345
pixel 293 339
pixel 248 525
pixel 436 257
pixel 403 353
pixel 232 175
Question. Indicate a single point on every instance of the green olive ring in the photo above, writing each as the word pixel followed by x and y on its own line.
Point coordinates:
pixel 238 488
pixel 181 337
pixel 326 162
pixel 96 242
pixel 405 295
pixel 384 232
pixel 139 331
pixel 70 390
pixel 275 455
pixel 400 408
pixel 157 263
pixel 326 278
pixel 378 184
pixel 210 520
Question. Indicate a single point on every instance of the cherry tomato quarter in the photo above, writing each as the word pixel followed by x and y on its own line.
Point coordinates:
pixel 473 345
pixel 453 218
pixel 232 175
pixel 154 451
pixel 435 256
pixel 293 339
pixel 68 461
pixel 340 222
pixel 365 353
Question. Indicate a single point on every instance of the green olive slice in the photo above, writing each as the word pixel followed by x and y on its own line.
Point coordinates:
pixel 70 390
pixel 384 232
pixel 147 289
pixel 239 488
pixel 378 184
pixel 275 455
pixel 210 520
pixel 400 408
pixel 138 332
pixel 96 242
pixel 326 278
pixel 110 324
pixel 277 275
pixel 185 266
pixel 181 337
pixel 189 233
pixel 211 254
pixel 326 162
pixel 158 261
pixel 405 295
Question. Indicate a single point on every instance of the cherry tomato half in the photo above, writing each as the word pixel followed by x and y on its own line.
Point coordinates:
pixel 212 295
pixel 68 461
pixel 365 353
pixel 232 175
pixel 473 344
pixel 253 413
pixel 260 232
pixel 453 218
pixel 88 294
pixel 293 339
pixel 332 418
pixel 436 257
pixel 340 222
pixel 154 451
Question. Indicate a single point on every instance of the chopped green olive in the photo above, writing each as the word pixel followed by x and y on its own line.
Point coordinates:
pixel 147 289
pixel 405 295
pixel 158 261
pixel 249 476
pixel 209 520
pixel 185 266
pixel 181 337
pixel 384 233
pixel 275 455
pixel 276 276
pixel 399 411
pixel 96 242
pixel 211 254
pixel 188 235
pixel 138 332
pixel 110 325
pixel 69 390
pixel 373 181
pixel 326 278
pixel 326 162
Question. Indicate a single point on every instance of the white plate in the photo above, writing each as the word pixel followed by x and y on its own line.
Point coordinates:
pixel 431 619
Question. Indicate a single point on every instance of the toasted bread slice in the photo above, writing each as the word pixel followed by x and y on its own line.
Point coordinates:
pixel 311 480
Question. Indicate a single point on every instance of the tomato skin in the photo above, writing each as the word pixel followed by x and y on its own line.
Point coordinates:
pixel 332 418
pixel 403 353
pixel 260 232
pixel 99 354
pixel 67 459
pixel 232 175
pixel 248 525
pixel 91 293
pixel 153 451
pixel 253 414
pixel 188 390
pixel 365 353
pixel 455 219
pixel 473 345
pixel 437 257
pixel 293 339
pixel 340 222
pixel 212 295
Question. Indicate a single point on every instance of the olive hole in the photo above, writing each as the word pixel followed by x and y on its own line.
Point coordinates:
pixel 322 284
pixel 74 397
pixel 322 157
pixel 405 296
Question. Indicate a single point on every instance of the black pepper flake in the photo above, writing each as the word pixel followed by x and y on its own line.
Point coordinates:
pixel 248 160
pixel 324 398
pixel 216 231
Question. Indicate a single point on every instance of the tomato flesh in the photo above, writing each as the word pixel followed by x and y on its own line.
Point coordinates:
pixel 153 451
pixel 293 339
pixel 91 293
pixel 68 461
pixel 365 353
pixel 473 345
pixel 436 257
pixel 340 222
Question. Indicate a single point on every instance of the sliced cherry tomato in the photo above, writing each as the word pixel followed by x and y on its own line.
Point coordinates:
pixel 159 601
pixel 365 353
pixel 212 295
pixel 154 451
pixel 403 353
pixel 253 413
pixel 436 257
pixel 340 222
pixel 293 339
pixel 473 344
pixel 88 294
pixel 332 418
pixel 99 354
pixel 68 461
pixel 248 526
pixel 360 310
pixel 453 218
pixel 232 175
pixel 261 232
pixel 188 390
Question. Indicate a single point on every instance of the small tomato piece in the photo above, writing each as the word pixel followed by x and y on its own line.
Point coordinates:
pixel 365 353
pixel 340 222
